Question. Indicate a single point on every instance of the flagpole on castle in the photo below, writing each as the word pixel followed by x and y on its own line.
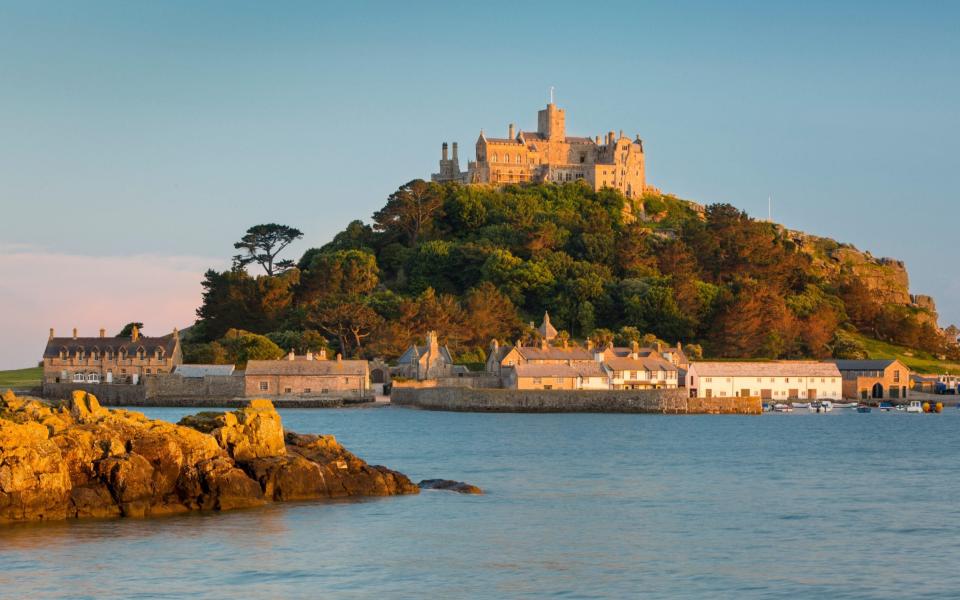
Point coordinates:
pixel 551 94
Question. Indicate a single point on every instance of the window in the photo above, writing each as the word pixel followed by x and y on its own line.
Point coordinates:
pixel 896 376
pixel 307 390
pixel 264 386
pixel 346 380
pixel 148 371
pixel 287 390
pixel 537 381
pixel 518 159
pixel 494 157
pixel 558 380
pixel 786 380
pixel 325 391
pixel 709 379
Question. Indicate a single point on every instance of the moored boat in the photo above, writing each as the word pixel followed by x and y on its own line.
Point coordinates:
pixel 782 408
pixel 801 405
pixel 863 408
pixel 915 407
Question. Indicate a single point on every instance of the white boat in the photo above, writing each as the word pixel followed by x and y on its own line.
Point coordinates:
pixel 915 407
pixel 801 405
pixel 845 405
pixel 782 408
pixel 821 407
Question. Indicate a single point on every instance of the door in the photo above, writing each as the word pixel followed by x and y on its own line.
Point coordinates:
pixel 877 391
pixel 794 394
pixel 811 394
pixel 744 393
pixel 766 394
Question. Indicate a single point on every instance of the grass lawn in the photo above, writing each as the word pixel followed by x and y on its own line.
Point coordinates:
pixel 20 378
pixel 921 362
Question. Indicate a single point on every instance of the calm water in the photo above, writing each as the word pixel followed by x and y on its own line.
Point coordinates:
pixel 580 506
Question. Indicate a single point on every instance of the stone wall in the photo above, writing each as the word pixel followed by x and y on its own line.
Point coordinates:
pixel 109 394
pixel 160 390
pixel 211 386
pixel 669 401
pixel 480 380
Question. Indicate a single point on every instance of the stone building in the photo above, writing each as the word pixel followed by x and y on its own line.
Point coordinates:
pixel 886 379
pixel 308 375
pixel 105 359
pixel 549 155
pixel 557 376
pixel 782 380
pixel 430 361
pixel 636 372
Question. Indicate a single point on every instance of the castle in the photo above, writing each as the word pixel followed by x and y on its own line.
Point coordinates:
pixel 549 154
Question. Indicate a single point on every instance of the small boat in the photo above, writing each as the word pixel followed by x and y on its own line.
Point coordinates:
pixel 863 408
pixel 886 406
pixel 846 405
pixel 915 407
pixel 801 405
pixel 782 408
pixel 821 407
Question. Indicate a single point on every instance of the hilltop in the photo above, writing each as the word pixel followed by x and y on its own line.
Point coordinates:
pixel 481 262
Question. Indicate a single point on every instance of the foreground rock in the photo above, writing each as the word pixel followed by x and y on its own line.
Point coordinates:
pixel 449 485
pixel 83 460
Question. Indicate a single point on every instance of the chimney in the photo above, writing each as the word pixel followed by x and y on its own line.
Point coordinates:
pixel 74 333
pixel 564 342
pixel 455 152
pixel 176 333
pixel 609 137
pixel 103 333
pixel 290 355
pixel 519 343
pixel 339 357
pixel 510 131
pixel 51 333
pixel 621 134
pixel 309 355
pixel 134 333
pixel 596 140
pixel 323 354
pixel 659 347
pixel 634 347
pixel 589 344
pixel 444 151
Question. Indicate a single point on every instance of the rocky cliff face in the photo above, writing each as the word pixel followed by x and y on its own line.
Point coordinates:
pixel 83 460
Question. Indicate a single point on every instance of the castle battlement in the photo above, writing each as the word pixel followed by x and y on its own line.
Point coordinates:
pixel 548 154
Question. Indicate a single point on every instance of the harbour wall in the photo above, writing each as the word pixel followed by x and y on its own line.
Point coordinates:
pixel 662 401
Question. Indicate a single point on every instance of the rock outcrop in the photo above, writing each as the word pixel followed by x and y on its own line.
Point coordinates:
pixel 449 485
pixel 83 460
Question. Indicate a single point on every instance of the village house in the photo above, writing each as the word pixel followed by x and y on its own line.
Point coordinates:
pixel 775 380
pixel 636 372
pixel 308 376
pixel 105 359
pixel 557 376
pixel 430 361
pixel 885 379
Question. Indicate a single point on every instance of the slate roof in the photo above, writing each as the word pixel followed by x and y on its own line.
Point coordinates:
pixel 648 363
pixel 555 353
pixel 407 356
pixel 863 365
pixel 201 371
pixel 115 344
pixel 783 368
pixel 301 366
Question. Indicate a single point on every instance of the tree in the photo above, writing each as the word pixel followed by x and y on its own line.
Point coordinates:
pixel 342 272
pixel 410 210
pixel 127 330
pixel 262 243
pixel 242 346
pixel 348 320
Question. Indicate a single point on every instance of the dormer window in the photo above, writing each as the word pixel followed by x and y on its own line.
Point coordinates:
pixel 63 352
pixel 80 353
pixel 159 353
pixel 141 353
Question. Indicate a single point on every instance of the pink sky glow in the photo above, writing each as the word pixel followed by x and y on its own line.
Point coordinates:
pixel 41 289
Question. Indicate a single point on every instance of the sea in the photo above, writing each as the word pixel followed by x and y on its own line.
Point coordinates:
pixel 802 505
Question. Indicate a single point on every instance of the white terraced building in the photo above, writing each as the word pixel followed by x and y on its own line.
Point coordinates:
pixel 784 380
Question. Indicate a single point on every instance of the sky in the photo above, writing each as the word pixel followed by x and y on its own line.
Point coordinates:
pixel 139 140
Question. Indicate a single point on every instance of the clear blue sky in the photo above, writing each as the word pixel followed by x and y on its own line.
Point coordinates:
pixel 169 127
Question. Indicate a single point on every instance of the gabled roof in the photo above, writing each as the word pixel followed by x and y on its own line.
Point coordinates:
pixel 407 356
pixel 575 370
pixel 554 353
pixel 70 344
pixel 780 368
pixel 864 365
pixel 301 366
pixel 648 363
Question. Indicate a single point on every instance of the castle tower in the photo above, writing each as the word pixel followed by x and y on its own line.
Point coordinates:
pixel 551 123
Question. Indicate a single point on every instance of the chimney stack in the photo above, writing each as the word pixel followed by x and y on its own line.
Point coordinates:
pixel 323 354
pixel 103 333
pixel 455 159
pixel 621 133
pixel 596 140
pixel 510 131
pixel 51 333
pixel 290 355
pixel 634 347
pixel 610 137
pixel 309 355
pixel 589 344
pixel 339 357
pixel 444 151
pixel 74 333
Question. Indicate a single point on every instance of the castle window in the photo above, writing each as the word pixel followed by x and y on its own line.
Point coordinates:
pixel 583 157
pixel 494 157
pixel 518 159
